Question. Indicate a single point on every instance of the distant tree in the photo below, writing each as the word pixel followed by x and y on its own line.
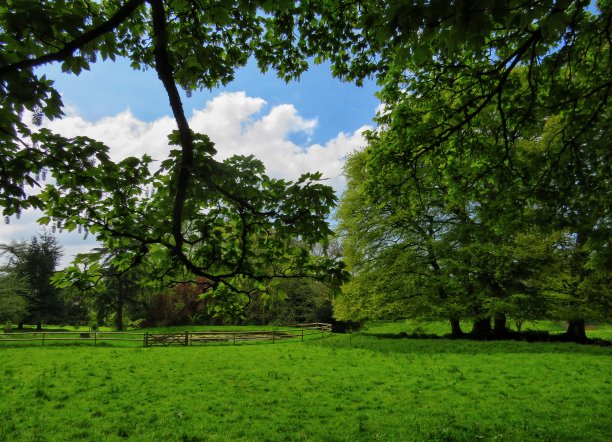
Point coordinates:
pixel 36 261
pixel 178 305
pixel 13 304
pixel 291 301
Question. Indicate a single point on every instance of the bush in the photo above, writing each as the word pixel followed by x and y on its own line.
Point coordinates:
pixel 8 327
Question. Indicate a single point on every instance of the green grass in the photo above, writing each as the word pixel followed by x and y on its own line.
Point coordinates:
pixel 166 329
pixel 341 388
pixel 135 338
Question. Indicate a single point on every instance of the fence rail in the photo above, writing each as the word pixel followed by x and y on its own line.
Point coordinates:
pixel 187 338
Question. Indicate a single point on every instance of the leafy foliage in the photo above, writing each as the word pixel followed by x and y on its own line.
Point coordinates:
pixel 13 304
pixel 480 226
pixel 494 107
pixel 31 265
pixel 224 221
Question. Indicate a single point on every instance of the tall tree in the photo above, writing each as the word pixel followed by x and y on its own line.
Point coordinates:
pixel 440 65
pixel 230 212
pixel 36 262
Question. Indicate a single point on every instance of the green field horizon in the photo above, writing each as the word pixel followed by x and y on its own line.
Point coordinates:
pixel 353 387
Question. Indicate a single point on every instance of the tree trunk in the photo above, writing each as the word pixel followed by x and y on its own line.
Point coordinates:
pixel 20 326
pixel 576 331
pixel 519 324
pixel 119 316
pixel 456 328
pixel 499 325
pixel 481 328
pixel 38 325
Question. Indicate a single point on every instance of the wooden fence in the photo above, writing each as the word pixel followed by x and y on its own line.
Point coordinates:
pixel 187 338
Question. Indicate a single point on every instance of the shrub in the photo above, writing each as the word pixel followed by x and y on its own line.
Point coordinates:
pixel 8 327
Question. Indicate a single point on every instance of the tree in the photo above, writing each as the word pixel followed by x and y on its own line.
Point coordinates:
pixel 13 304
pixel 214 220
pixel 179 305
pixel 291 302
pixel 444 238
pixel 533 86
pixel 396 250
pixel 35 261
pixel 440 65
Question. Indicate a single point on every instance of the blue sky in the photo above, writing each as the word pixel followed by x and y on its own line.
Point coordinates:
pixel 296 127
pixel 111 87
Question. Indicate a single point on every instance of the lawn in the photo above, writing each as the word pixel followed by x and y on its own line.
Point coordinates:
pixel 341 388
pixel 222 335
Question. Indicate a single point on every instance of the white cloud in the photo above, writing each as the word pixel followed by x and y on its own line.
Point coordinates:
pixel 238 124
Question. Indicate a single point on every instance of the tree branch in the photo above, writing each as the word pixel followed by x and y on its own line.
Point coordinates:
pixel 108 26
pixel 164 72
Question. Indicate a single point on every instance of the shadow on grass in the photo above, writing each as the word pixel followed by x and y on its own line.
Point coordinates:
pixel 508 335
pixel 432 344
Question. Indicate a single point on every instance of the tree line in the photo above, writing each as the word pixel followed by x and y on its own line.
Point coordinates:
pixel 29 296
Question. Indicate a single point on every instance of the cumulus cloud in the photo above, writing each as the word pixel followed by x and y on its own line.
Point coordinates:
pixel 237 124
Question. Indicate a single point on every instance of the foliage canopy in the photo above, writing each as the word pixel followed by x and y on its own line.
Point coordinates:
pixel 464 83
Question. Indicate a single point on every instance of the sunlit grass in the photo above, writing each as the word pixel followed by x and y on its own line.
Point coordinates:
pixel 227 335
pixel 341 388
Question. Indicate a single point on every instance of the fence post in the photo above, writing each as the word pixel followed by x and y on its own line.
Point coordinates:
pixel 302 335
pixel 146 339
pixel 43 339
pixel 186 339
pixel 234 337
pixel 272 336
pixel 95 338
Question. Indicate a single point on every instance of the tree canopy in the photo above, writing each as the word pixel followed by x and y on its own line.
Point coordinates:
pixel 224 221
pixel 467 87
pixel 488 177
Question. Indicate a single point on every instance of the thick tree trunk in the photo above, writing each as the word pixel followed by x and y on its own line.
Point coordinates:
pixel 20 326
pixel 576 331
pixel 499 325
pixel 481 328
pixel 38 325
pixel 456 328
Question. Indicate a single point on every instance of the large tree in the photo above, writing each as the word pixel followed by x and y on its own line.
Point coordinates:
pixel 513 114
pixel 440 65
pixel 216 220
pixel 490 237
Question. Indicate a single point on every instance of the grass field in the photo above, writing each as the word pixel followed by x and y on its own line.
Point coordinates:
pixel 194 335
pixel 342 388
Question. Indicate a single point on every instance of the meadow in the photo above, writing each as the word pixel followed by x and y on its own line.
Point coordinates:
pixel 354 387
pixel 172 335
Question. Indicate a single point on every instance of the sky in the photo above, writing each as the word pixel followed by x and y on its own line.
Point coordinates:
pixel 302 126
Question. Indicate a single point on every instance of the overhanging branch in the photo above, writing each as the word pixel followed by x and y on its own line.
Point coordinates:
pixel 108 26
pixel 164 72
